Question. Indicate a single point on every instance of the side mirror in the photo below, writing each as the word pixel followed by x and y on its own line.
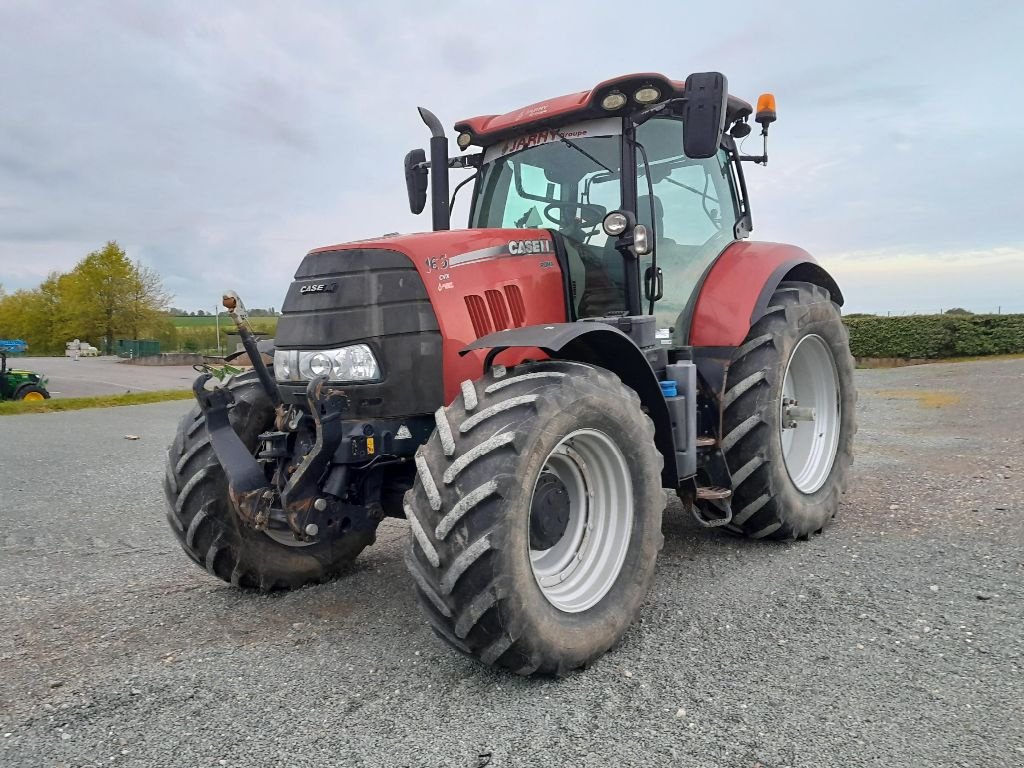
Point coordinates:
pixel 707 96
pixel 416 179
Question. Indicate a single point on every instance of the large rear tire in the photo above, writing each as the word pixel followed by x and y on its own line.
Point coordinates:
pixel 789 416
pixel 207 527
pixel 536 517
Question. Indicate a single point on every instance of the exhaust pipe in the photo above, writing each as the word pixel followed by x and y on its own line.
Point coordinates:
pixel 440 214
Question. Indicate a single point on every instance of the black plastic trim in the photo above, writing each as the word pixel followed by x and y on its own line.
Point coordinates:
pixel 795 269
pixel 604 346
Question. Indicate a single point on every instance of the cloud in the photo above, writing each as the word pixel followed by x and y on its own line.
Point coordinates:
pixel 886 280
pixel 219 146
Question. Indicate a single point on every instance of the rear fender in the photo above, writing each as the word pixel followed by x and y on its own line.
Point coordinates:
pixel 599 345
pixel 737 289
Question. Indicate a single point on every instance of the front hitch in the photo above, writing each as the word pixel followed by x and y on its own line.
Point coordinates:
pixel 250 493
pixel 301 498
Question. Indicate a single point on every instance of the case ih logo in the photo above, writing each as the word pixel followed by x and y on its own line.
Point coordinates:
pixel 318 288
pixel 523 247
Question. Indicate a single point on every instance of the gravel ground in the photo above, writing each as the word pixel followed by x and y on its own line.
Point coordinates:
pixel 104 375
pixel 893 640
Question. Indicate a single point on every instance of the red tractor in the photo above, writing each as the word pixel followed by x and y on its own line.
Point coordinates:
pixel 525 391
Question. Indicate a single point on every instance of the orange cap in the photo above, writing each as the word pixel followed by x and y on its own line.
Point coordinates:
pixel 765 110
pixel 766 102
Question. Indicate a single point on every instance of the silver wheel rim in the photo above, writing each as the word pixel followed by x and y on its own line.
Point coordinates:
pixel 577 571
pixel 810 414
pixel 287 538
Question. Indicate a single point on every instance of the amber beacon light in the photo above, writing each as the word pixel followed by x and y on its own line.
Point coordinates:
pixel 765 109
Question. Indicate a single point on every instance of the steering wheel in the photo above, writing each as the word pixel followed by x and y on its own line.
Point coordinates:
pixel 590 214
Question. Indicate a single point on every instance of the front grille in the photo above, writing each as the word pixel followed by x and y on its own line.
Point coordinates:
pixel 478 315
pixel 499 312
pixel 373 296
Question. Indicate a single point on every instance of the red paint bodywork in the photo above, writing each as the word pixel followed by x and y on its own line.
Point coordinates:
pixel 730 293
pixel 537 276
pixel 486 129
pixel 551 110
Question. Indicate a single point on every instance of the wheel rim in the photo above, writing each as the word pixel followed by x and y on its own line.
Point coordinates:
pixel 33 397
pixel 810 414
pixel 287 538
pixel 579 568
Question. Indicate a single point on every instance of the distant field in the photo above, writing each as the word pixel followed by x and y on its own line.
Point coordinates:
pixel 261 323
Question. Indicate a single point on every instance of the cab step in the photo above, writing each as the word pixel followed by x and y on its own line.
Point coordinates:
pixel 707 441
pixel 717 499
pixel 713 493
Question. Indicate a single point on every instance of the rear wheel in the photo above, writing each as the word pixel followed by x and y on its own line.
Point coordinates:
pixel 536 516
pixel 206 525
pixel 32 393
pixel 789 416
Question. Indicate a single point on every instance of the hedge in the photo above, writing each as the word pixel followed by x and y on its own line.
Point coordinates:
pixel 935 336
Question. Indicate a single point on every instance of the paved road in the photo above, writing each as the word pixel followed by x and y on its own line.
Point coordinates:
pixel 893 640
pixel 105 375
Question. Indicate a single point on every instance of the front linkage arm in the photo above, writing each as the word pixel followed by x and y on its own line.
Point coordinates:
pixel 250 493
pixel 300 504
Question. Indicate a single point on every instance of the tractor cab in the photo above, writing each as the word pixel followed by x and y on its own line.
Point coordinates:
pixel 687 208
pixel 634 242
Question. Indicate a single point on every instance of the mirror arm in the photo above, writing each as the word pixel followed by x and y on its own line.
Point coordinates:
pixel 761 159
pixel 643 116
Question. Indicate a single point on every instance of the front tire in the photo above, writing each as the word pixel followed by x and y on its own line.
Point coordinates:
pixel 789 419
pixel 536 517
pixel 32 393
pixel 206 525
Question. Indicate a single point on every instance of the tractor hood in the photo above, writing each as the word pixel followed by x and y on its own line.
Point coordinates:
pixel 417 299
pixel 454 244
pixel 389 285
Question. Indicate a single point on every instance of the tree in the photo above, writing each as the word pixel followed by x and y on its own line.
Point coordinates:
pixel 958 311
pixel 106 295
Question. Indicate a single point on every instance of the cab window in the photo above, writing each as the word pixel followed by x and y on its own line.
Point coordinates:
pixel 693 211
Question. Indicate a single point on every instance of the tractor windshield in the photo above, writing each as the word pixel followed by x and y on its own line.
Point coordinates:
pixel 563 179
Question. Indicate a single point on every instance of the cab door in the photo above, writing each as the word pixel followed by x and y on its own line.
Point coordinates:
pixel 693 210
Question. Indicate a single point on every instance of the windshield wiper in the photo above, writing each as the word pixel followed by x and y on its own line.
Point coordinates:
pixel 583 152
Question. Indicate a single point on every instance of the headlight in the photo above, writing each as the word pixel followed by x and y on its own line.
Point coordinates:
pixel 318 364
pixel 284 364
pixel 615 224
pixel 346 364
pixel 614 100
pixel 647 95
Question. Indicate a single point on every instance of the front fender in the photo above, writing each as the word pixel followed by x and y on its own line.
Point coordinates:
pixel 600 345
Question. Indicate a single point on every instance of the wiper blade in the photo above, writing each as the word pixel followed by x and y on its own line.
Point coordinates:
pixel 583 152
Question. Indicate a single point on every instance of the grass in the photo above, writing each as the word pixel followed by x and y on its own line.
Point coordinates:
pixel 926 398
pixel 887 362
pixel 226 323
pixel 16 407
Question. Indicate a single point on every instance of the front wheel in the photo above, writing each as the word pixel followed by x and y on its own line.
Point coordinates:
pixel 536 516
pixel 206 525
pixel 789 416
pixel 32 393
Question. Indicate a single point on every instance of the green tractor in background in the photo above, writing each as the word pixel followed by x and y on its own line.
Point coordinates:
pixel 16 384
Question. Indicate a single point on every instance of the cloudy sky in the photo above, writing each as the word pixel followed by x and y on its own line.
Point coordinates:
pixel 219 141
